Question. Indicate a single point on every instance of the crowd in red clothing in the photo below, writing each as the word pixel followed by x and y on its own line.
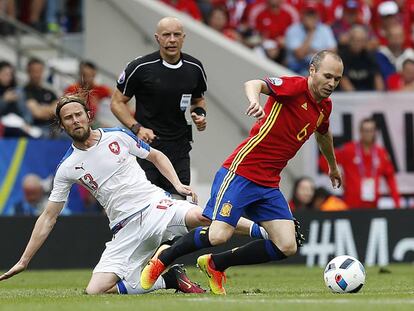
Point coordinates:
pixel 386 35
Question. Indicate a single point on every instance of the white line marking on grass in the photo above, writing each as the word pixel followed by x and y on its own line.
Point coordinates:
pixel 299 301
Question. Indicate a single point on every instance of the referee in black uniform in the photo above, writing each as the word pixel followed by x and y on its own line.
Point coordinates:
pixel 165 83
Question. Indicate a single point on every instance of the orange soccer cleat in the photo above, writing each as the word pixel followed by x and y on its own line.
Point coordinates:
pixel 215 278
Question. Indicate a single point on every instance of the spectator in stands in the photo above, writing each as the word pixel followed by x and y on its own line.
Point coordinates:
pixel 325 201
pixel 218 20
pixel 364 162
pixel 361 71
pixel 87 83
pixel 307 37
pixel 14 116
pixel 7 7
pixel 302 194
pixel 9 101
pixel 350 16
pixel 393 52
pixel 34 197
pixel 273 21
pixel 388 15
pixel 40 101
pixel 270 49
pixel 409 21
pixel 403 80
pixel 186 6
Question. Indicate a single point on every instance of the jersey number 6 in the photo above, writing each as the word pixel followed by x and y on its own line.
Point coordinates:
pixel 302 133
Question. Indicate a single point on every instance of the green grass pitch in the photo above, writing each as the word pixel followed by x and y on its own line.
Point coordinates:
pixel 259 288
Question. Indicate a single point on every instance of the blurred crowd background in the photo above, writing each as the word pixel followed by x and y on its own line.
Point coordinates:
pixel 375 39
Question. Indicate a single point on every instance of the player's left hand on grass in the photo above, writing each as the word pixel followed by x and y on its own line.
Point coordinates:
pixel 17 268
pixel 255 110
pixel 199 121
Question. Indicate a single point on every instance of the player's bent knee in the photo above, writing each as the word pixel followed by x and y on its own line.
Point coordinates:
pixel 289 249
pixel 217 237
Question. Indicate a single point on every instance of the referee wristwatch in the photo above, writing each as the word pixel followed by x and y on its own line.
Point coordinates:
pixel 135 128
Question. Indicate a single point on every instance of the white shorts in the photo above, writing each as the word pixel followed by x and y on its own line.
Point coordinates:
pixel 133 246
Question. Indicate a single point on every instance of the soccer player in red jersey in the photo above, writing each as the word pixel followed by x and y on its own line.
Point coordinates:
pixel 248 181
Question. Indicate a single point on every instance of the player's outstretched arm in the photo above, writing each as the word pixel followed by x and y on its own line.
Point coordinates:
pixel 42 228
pixel 325 142
pixel 163 164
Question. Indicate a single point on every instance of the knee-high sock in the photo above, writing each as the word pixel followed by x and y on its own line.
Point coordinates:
pixel 255 252
pixel 192 241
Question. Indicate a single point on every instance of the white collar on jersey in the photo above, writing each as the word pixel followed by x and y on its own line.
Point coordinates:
pixel 168 65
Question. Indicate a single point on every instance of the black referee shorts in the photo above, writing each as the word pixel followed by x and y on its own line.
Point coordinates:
pixel 178 152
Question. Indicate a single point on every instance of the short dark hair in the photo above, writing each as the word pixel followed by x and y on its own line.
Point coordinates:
pixel 320 56
pixel 5 64
pixel 35 60
pixel 80 97
pixel 87 63
pixel 367 120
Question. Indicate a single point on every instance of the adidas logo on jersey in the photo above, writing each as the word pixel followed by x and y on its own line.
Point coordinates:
pixel 305 106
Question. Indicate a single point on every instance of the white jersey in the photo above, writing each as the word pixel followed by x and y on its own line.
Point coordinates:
pixel 109 170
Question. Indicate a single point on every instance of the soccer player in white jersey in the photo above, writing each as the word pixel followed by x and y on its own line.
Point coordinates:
pixel 141 215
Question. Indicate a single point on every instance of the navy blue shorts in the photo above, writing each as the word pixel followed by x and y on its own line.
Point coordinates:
pixel 232 195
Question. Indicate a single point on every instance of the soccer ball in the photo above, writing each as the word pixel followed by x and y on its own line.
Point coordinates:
pixel 344 274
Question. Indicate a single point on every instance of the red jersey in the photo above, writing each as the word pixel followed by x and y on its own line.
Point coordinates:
pixel 96 94
pixel 273 25
pixel 374 164
pixel 395 82
pixel 292 115
pixel 187 6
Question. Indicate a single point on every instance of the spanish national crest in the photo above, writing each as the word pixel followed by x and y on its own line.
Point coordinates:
pixel 226 209
pixel 114 147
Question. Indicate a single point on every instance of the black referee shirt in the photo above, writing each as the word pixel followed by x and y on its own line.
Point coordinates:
pixel 43 96
pixel 163 92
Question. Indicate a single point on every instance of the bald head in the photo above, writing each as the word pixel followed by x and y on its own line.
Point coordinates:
pixel 170 37
pixel 168 22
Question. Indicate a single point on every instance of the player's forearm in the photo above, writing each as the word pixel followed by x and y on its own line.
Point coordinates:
pixel 198 102
pixel 163 164
pixel 120 109
pixel 41 231
pixel 121 112
pixel 325 143
pixel 253 88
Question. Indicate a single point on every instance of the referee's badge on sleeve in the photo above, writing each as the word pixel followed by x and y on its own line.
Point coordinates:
pixel 121 78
